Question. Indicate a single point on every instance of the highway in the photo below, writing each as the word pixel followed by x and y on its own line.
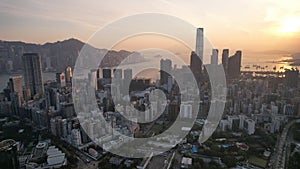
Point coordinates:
pixel 278 159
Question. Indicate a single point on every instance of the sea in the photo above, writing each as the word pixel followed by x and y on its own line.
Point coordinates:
pixel 250 62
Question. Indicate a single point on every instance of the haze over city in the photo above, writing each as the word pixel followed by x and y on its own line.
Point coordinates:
pixel 248 25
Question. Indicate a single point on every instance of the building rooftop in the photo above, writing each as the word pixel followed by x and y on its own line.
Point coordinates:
pixel 56 160
pixel 186 160
pixel 55 157
pixel 39 152
pixel 6 144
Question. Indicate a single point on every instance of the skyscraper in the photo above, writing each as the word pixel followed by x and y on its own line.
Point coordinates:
pixel 225 55
pixel 16 85
pixel 199 43
pixel 197 56
pixel 61 79
pixel 106 73
pixel 68 73
pixel 33 74
pixel 196 66
pixel 234 65
pixel 16 92
pixel 292 77
pixel 165 69
pixel 214 57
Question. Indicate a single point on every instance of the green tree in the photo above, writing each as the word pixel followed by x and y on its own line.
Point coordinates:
pixel 230 161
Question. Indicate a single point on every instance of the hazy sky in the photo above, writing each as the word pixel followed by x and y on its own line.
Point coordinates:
pixel 254 25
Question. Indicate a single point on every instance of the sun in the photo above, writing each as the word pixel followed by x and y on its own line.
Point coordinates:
pixel 290 25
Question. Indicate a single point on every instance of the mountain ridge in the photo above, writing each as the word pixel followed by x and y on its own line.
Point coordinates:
pixel 56 56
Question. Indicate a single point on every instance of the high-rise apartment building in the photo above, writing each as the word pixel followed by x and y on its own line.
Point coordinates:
pixel 225 56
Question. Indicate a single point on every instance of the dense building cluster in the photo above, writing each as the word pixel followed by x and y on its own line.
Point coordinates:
pixel 252 103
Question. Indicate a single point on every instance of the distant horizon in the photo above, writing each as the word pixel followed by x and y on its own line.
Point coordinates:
pixel 267 52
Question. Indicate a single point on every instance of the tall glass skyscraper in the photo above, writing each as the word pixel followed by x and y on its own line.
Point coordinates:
pixel 196 59
pixel 33 74
pixel 199 43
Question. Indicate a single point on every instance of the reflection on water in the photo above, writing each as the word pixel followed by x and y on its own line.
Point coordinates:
pixel 276 63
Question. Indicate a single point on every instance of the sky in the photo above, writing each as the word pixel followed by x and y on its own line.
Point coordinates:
pixel 256 25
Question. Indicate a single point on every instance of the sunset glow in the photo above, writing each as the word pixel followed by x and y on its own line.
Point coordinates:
pixel 290 25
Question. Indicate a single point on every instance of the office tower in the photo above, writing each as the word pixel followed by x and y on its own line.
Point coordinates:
pixel 234 65
pixel 199 43
pixel 292 77
pixel 196 66
pixel 197 56
pixel 118 73
pixel 106 73
pixel 9 154
pixel 16 85
pixel 33 74
pixel 165 70
pixel 225 55
pixel 214 57
pixel 68 74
